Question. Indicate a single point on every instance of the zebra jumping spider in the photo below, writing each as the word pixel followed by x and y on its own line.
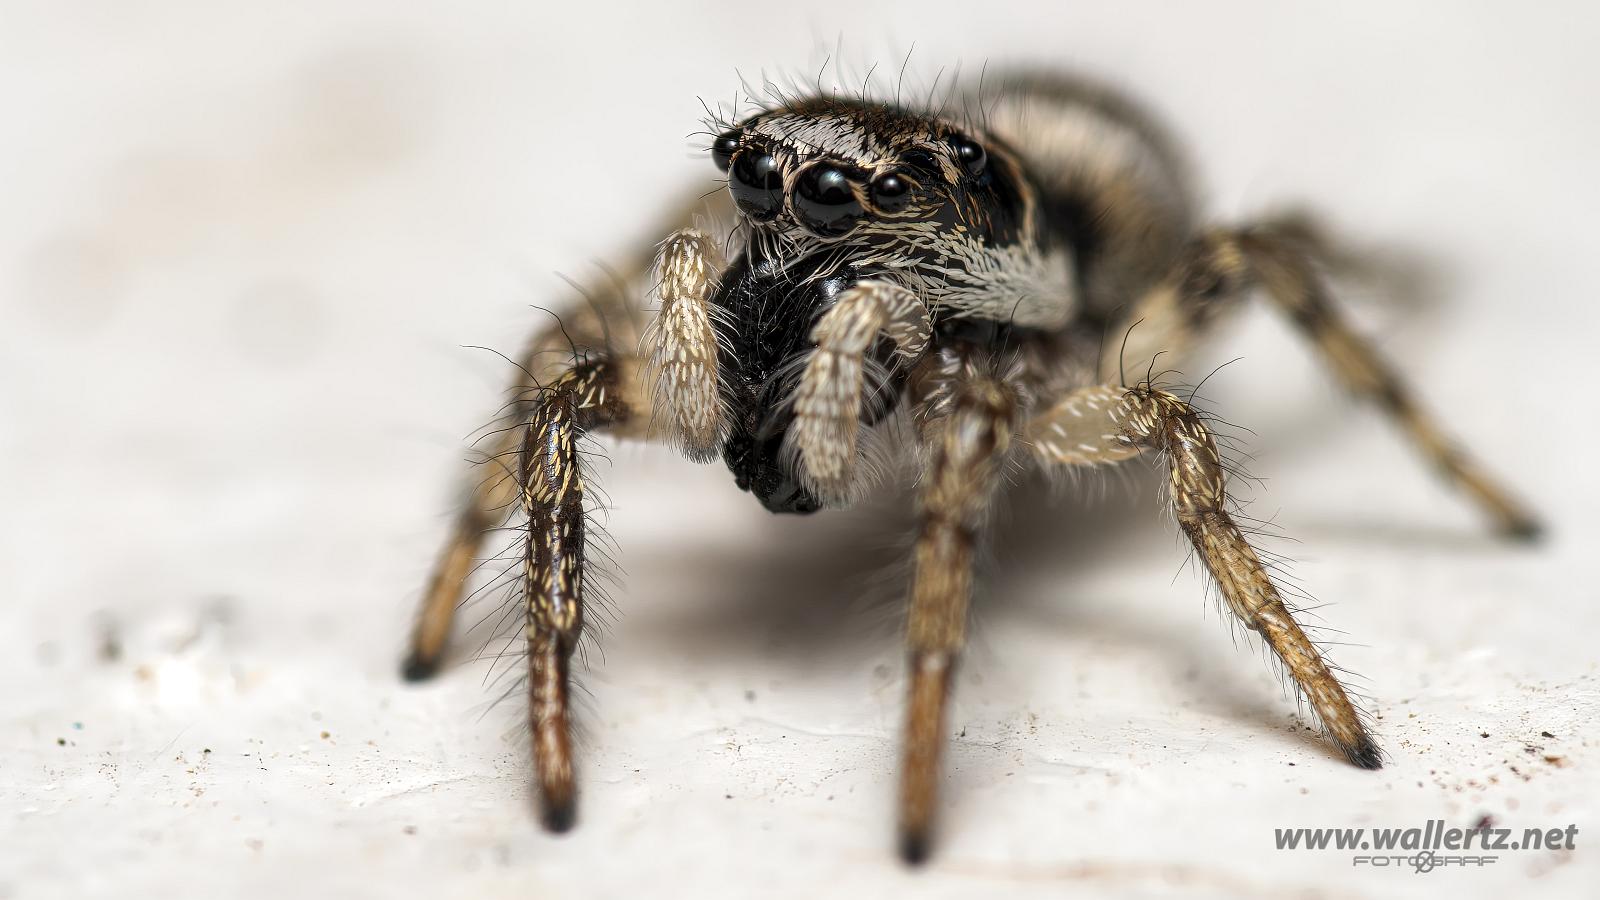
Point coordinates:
pixel 900 289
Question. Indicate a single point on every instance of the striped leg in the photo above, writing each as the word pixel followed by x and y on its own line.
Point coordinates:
pixel 955 499
pixel 682 343
pixel 1110 423
pixel 828 400
pixel 492 498
pixel 609 323
pixel 589 396
pixel 1214 276
pixel 1294 287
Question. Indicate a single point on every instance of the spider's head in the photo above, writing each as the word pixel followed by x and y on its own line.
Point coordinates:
pixel 831 192
pixel 827 172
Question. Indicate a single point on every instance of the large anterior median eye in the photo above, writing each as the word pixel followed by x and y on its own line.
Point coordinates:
pixel 824 202
pixel 756 183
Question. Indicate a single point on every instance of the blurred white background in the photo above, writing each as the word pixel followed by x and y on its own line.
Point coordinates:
pixel 242 247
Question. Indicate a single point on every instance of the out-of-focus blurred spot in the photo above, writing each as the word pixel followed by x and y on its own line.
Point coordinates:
pixel 161 203
pixel 69 283
pixel 359 107
pixel 277 323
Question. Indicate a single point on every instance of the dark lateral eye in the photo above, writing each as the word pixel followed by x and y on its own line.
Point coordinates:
pixel 890 192
pixel 824 202
pixel 756 183
pixel 971 154
pixel 723 148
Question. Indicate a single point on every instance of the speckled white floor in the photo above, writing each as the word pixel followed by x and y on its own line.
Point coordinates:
pixel 241 250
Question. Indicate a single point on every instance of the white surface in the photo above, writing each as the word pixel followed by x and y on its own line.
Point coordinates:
pixel 239 254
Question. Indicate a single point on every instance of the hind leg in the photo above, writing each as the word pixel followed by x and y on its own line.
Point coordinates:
pixel 1215 274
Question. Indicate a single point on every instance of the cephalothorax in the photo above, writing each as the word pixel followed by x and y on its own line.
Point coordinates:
pixel 909 293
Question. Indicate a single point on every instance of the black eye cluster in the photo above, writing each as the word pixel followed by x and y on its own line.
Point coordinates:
pixel 825 201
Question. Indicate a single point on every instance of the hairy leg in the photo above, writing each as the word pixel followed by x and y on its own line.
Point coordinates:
pixel 827 402
pixel 1214 275
pixel 682 342
pixel 968 445
pixel 588 396
pixel 607 324
pixel 1110 423
pixel 1295 287
pixel 489 504
pixel 608 321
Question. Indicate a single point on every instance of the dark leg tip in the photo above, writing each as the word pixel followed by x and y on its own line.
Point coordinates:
pixel 914 847
pixel 417 668
pixel 560 816
pixel 1527 531
pixel 1366 755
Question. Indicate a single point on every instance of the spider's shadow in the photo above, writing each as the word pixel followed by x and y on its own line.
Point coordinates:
pixel 799 593
pixel 829 591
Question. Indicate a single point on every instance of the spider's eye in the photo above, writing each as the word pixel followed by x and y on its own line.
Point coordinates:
pixel 823 201
pixel 890 192
pixel 971 154
pixel 756 183
pixel 723 148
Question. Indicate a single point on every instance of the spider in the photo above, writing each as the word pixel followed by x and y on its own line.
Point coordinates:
pixel 902 289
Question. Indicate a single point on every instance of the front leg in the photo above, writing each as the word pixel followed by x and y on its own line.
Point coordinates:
pixel 1110 423
pixel 605 324
pixel 588 396
pixel 967 446
pixel 580 377
pixel 827 402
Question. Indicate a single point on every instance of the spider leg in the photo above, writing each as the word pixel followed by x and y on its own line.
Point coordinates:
pixel 609 321
pixel 828 399
pixel 604 393
pixel 493 494
pixel 1214 275
pixel 548 486
pixel 967 446
pixel 599 393
pixel 1294 286
pixel 579 376
pixel 430 635
pixel 683 342
pixel 590 395
pixel 1110 423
